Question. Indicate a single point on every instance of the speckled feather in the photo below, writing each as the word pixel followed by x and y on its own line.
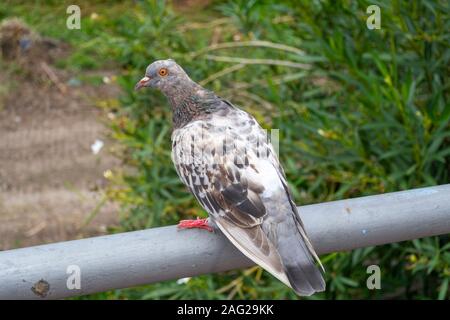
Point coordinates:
pixel 222 155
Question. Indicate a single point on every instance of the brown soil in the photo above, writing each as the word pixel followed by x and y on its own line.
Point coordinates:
pixel 50 180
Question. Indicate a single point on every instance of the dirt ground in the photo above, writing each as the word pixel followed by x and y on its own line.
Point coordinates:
pixel 50 179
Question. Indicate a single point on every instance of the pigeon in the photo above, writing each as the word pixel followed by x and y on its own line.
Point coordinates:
pixel 223 156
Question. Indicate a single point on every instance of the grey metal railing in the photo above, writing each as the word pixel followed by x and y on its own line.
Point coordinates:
pixel 147 256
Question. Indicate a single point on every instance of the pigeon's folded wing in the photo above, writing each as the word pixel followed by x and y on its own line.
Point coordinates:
pixel 226 186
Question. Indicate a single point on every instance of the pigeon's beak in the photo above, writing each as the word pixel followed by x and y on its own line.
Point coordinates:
pixel 142 83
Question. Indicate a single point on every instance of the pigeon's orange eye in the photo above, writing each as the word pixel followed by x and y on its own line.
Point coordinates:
pixel 163 72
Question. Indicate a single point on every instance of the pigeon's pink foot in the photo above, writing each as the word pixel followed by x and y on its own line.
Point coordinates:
pixel 198 223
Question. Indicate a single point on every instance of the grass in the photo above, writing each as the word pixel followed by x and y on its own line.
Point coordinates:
pixel 360 112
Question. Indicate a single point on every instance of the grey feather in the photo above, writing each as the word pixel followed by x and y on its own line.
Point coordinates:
pixel 223 156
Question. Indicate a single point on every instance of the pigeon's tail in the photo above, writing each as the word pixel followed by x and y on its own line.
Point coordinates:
pixel 299 259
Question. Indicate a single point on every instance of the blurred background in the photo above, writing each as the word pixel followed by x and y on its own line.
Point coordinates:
pixel 360 112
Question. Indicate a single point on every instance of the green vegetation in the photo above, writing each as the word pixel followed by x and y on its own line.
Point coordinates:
pixel 360 112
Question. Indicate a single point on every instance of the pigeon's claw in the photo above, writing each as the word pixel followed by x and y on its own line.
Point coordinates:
pixel 198 223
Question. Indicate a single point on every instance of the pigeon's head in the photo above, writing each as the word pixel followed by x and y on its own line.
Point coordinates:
pixel 163 75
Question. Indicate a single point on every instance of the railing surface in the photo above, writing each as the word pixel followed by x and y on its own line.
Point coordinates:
pixel 152 255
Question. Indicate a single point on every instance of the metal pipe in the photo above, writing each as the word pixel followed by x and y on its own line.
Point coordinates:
pixel 147 256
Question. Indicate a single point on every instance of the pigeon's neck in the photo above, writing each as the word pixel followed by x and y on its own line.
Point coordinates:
pixel 190 101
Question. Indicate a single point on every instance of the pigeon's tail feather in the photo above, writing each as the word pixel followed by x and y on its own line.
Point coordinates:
pixel 298 259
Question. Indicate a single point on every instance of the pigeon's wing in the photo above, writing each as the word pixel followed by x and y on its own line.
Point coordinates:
pixel 218 180
pixel 233 171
